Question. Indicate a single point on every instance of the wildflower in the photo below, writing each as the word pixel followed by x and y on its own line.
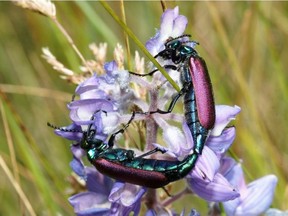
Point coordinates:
pixel 172 25
pixel 100 199
pixel 255 198
pixel 95 200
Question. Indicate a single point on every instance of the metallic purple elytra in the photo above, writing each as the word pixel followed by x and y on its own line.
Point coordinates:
pixel 119 172
pixel 203 92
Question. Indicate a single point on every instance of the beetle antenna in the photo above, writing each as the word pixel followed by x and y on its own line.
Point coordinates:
pixel 62 129
pixel 182 36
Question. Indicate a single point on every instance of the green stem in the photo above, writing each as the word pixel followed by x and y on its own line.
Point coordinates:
pixel 122 7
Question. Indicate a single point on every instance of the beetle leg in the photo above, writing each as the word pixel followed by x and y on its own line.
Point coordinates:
pixel 157 149
pixel 174 100
pixel 112 137
pixel 173 67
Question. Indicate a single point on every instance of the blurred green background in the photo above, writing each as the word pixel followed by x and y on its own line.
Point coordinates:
pixel 245 47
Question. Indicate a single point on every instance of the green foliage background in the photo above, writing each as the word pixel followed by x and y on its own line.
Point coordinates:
pixel 245 47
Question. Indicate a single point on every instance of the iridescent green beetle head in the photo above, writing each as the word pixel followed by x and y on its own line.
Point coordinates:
pixel 90 141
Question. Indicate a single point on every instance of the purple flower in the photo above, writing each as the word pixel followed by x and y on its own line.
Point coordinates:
pixel 206 180
pixel 172 25
pixel 97 200
pixel 255 198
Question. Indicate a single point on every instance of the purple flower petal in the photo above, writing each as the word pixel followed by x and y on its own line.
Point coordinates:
pixel 98 183
pixel 188 135
pixel 118 209
pixel 110 122
pixel 220 144
pixel 84 204
pixel 82 110
pixel 218 190
pixel 206 166
pixel 91 84
pixel 224 114
pixel 116 191
pixel 115 209
pixel 256 200
pixel 172 25
pixel 78 167
pixel 116 76
pixel 91 92
pixel 175 139
pixel 109 68
pixel 132 194
pixel 227 164
pixel 123 78
pixel 179 25
pixel 261 195
pixel 151 212
pixel 92 81
pixel 127 194
pixel 236 177
pixel 128 197
pixel 77 151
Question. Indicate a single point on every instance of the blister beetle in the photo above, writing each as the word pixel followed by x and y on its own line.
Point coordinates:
pixel 199 106
pixel 122 164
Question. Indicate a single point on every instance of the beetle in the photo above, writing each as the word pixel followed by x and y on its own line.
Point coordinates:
pixel 199 106
pixel 123 165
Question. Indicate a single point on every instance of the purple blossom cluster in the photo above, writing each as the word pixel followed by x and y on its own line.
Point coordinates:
pixel 216 177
